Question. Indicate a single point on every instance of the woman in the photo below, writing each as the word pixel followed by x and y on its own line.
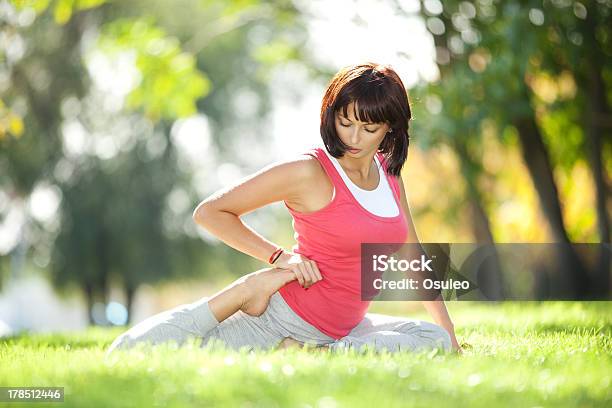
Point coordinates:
pixel 347 192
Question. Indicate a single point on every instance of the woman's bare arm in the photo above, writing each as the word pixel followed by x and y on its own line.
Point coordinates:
pixel 220 213
pixel 436 308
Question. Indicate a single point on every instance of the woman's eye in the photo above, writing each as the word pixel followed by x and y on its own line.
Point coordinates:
pixel 349 124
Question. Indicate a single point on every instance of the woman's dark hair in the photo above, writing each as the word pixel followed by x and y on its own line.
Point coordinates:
pixel 380 97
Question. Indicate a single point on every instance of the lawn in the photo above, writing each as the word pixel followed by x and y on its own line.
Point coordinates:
pixel 528 354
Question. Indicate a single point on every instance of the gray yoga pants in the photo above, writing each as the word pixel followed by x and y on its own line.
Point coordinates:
pixel 265 332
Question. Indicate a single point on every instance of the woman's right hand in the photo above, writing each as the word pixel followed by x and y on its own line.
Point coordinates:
pixel 306 271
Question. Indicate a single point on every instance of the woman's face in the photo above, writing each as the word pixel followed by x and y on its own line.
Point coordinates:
pixel 363 137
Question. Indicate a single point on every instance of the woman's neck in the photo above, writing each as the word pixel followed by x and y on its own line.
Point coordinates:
pixel 360 167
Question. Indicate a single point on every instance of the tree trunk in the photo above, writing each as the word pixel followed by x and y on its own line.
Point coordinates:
pixel 536 158
pixel 130 292
pixel 537 162
pixel 598 108
pixel 481 227
pixel 88 290
pixel 596 130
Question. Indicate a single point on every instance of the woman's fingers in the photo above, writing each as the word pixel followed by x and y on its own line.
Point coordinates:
pixel 311 273
pixel 298 273
pixel 316 270
pixel 307 272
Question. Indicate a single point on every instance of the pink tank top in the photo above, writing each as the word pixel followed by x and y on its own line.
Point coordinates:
pixel 332 237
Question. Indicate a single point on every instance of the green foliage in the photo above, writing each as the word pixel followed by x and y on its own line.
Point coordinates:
pixel 62 9
pixel 564 136
pixel 112 223
pixel 274 52
pixel 11 124
pixel 37 5
pixel 505 63
pixel 496 74
pixel 170 81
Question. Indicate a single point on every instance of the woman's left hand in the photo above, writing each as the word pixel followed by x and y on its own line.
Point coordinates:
pixel 454 343
pixel 306 270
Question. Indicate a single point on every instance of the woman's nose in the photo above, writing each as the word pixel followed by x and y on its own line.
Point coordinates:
pixel 355 136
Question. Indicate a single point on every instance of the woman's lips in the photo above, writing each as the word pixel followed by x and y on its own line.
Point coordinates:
pixel 354 150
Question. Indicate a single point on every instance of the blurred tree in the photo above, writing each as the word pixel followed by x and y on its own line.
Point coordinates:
pixel 580 62
pixel 39 66
pixel 490 49
pixel 111 153
pixel 112 227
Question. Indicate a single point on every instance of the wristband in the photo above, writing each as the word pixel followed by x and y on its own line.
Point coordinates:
pixel 278 256
pixel 275 255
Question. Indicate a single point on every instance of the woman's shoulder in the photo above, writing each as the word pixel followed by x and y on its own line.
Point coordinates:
pixel 306 161
pixel 310 181
pixel 306 165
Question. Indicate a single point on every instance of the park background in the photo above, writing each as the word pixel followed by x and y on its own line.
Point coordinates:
pixel 117 118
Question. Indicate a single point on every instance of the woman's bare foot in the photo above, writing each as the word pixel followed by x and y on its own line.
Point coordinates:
pixel 321 348
pixel 288 342
pixel 259 286
pixel 250 293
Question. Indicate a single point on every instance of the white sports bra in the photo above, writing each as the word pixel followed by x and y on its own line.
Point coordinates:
pixel 379 201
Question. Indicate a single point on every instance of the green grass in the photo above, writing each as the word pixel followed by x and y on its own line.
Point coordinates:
pixel 522 355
